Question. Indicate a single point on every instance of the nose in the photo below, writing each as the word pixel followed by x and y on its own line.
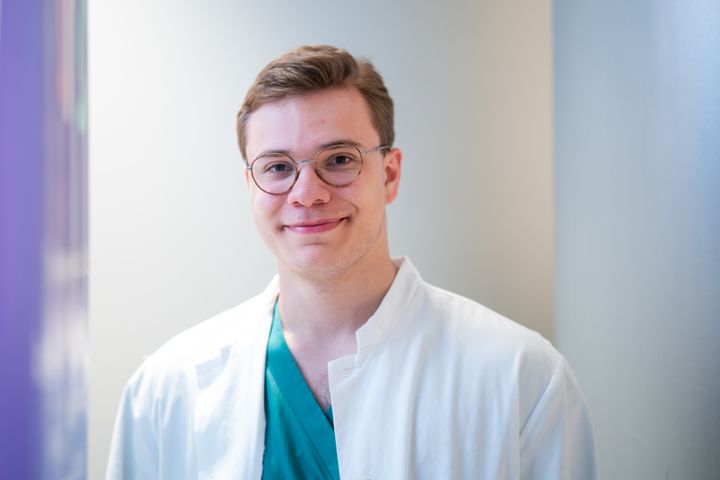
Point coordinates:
pixel 309 189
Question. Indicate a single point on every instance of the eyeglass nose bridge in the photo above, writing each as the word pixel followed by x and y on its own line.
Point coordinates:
pixel 299 163
pixel 302 162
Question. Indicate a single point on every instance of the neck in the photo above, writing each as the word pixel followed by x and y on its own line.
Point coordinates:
pixel 322 312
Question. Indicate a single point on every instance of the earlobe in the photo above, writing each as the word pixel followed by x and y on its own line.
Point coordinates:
pixel 393 167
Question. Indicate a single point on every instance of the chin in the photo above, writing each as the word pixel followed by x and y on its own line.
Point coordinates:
pixel 319 266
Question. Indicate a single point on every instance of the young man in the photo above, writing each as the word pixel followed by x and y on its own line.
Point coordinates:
pixel 348 365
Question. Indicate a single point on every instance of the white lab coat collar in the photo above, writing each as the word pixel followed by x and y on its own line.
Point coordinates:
pixel 390 312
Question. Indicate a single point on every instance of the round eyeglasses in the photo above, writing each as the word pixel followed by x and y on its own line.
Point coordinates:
pixel 337 165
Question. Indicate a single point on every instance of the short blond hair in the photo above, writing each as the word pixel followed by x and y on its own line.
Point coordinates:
pixel 313 68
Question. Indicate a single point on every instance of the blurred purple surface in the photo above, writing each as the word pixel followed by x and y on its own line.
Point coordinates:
pixel 21 167
pixel 42 239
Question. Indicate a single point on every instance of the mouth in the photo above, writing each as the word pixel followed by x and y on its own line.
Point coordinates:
pixel 315 225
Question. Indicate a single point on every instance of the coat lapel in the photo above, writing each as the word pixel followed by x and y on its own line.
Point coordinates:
pixel 229 413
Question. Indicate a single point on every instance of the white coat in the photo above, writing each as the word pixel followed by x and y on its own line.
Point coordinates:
pixel 440 388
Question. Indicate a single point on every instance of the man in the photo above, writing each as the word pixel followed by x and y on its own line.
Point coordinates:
pixel 348 365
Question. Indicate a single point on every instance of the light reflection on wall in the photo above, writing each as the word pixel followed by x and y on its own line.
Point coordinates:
pixel 43 246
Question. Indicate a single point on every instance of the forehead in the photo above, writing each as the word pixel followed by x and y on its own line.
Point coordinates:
pixel 300 124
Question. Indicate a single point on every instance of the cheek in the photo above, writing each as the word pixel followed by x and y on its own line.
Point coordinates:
pixel 370 192
pixel 264 208
pixel 371 205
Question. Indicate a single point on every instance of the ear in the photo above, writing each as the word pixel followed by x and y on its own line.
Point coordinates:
pixel 247 177
pixel 393 164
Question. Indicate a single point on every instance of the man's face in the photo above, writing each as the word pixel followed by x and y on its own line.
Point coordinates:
pixel 317 230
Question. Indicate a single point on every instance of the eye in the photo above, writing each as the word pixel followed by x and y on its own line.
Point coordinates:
pixel 274 167
pixel 342 161
pixel 278 167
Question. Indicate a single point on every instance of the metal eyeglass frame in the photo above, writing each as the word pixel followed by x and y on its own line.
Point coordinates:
pixel 314 160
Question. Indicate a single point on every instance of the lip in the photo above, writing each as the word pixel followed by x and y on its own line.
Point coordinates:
pixel 318 225
pixel 315 226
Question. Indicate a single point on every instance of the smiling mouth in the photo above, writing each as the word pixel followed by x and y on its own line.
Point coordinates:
pixel 315 226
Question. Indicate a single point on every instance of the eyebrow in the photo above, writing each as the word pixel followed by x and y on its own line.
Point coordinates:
pixel 345 142
pixel 342 142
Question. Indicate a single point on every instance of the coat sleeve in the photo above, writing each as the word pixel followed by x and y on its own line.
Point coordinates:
pixel 556 441
pixel 134 448
pixel 153 436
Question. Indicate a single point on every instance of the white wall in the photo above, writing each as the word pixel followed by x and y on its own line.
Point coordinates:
pixel 171 237
pixel 638 230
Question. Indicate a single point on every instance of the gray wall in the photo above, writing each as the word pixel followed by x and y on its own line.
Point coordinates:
pixel 171 236
pixel 637 105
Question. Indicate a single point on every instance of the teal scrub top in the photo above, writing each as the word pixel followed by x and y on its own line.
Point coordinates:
pixel 299 436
